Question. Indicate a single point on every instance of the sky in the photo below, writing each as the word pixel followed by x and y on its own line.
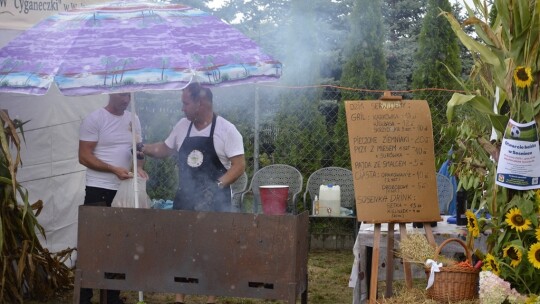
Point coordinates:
pixel 218 3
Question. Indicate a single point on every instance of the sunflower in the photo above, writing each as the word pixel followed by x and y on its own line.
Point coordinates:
pixel 523 76
pixel 514 253
pixel 472 223
pixel 516 220
pixel 537 234
pixel 532 299
pixel 491 264
pixel 537 199
pixel 534 255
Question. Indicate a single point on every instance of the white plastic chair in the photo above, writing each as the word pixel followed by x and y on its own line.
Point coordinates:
pixel 278 174
pixel 237 188
pixel 335 176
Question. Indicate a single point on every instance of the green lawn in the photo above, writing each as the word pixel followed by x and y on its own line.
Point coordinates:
pixel 328 275
pixel 329 272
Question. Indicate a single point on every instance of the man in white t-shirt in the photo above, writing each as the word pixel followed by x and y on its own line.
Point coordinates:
pixel 210 156
pixel 105 142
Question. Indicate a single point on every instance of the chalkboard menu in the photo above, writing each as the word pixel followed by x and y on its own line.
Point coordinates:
pixel 393 162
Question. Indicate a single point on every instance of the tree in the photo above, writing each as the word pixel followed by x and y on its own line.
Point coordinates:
pixel 299 45
pixel 261 20
pixel 295 141
pixel 306 36
pixel 438 53
pixel 365 67
pixel 437 50
pixel 402 20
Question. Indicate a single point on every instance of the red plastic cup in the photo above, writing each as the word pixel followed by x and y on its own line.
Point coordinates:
pixel 274 199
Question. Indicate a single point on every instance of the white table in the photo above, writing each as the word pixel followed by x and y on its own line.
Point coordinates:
pixel 359 278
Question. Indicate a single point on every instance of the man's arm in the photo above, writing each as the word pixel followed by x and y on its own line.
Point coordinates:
pixel 157 150
pixel 140 169
pixel 238 166
pixel 89 160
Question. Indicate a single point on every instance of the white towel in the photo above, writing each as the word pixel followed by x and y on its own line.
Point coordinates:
pixel 435 267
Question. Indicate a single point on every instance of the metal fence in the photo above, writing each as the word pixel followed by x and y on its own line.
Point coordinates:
pixel 303 127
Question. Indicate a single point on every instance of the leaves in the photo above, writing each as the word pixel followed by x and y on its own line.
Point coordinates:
pixel 28 269
pixel 509 40
pixel 478 102
pixel 484 51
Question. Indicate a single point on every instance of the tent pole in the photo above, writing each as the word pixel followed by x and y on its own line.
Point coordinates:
pixel 256 137
pixel 135 173
pixel 134 149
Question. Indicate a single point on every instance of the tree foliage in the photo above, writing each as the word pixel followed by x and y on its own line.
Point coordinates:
pixel 436 60
pixel 296 146
pixel 365 66
pixel 403 23
pixel 438 51
pixel 342 156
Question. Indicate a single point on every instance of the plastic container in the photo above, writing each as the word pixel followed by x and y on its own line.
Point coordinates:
pixel 274 199
pixel 315 206
pixel 329 200
pixel 461 207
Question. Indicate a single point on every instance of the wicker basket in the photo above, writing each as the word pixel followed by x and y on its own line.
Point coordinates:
pixel 454 283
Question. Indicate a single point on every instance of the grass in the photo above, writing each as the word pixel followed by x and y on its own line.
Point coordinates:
pixel 329 272
pixel 328 275
pixel 416 295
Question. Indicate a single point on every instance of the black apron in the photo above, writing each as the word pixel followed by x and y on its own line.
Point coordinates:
pixel 199 168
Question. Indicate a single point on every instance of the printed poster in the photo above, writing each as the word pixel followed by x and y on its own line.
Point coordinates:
pixel 23 14
pixel 519 160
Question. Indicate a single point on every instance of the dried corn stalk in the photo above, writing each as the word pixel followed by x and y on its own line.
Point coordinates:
pixel 27 269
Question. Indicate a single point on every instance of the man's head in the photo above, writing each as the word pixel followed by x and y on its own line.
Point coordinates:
pixel 118 103
pixel 196 101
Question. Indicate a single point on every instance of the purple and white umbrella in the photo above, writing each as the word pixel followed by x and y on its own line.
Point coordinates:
pixel 131 46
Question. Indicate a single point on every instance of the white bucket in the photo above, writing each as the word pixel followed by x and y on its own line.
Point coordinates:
pixel 329 200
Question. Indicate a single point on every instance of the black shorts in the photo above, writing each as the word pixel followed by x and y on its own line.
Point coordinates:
pixel 98 196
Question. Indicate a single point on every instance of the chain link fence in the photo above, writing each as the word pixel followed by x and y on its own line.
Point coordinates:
pixel 304 127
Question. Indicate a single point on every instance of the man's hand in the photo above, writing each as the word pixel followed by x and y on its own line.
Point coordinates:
pixel 142 173
pixel 139 153
pixel 157 150
pixel 120 172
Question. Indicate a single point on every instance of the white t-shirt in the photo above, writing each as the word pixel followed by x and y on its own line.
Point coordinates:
pixel 114 142
pixel 227 140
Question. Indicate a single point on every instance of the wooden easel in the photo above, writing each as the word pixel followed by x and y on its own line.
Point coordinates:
pixel 393 161
pixel 390 258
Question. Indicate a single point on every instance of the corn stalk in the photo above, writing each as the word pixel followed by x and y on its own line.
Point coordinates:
pixel 507 42
pixel 27 269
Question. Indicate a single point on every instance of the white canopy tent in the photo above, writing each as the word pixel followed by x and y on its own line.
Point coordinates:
pixel 51 171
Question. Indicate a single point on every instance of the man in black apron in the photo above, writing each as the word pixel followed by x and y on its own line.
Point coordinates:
pixel 199 170
pixel 210 156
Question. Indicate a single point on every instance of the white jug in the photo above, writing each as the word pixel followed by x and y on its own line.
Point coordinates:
pixel 329 200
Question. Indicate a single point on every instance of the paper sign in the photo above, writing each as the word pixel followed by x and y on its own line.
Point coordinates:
pixel 519 160
pixel 393 162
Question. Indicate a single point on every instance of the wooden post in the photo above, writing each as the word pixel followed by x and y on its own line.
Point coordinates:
pixel 389 97
pixel 406 265
pixel 429 234
pixel 391 146
pixel 390 260
pixel 375 264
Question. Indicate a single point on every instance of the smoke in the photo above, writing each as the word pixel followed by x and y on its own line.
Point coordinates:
pixel 310 44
